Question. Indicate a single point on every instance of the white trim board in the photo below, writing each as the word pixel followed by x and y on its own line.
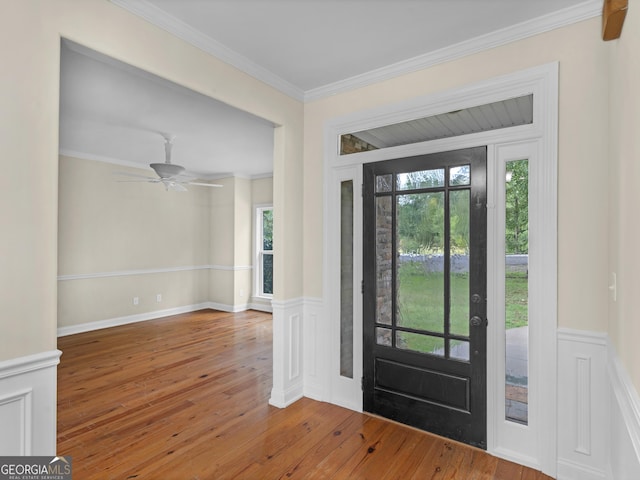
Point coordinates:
pixel 143 317
pixel 29 363
pixel 153 315
pixel 568 16
pixel 145 167
pixel 148 271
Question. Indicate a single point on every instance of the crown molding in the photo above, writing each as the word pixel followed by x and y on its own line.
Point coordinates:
pixel 568 16
pixel 100 158
pixel 545 23
pixel 161 19
pixel 126 163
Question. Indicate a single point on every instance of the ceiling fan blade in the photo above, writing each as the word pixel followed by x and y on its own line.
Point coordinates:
pixel 151 180
pixel 184 177
pixel 133 175
pixel 205 184
pixel 176 187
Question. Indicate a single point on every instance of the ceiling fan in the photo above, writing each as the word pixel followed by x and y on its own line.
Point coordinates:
pixel 172 176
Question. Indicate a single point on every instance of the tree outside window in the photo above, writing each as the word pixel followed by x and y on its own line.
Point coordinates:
pixel 265 251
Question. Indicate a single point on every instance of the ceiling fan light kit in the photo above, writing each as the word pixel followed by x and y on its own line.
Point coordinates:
pixel 167 170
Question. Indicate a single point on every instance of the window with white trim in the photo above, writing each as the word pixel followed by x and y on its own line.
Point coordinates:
pixel 264 252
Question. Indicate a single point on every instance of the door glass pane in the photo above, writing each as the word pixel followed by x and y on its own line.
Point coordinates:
pixel 480 118
pixel 460 175
pixel 346 279
pixel 420 343
pixel 459 262
pixel 384 258
pixel 517 290
pixel 383 336
pixel 420 279
pixel 459 350
pixel 384 183
pixel 422 179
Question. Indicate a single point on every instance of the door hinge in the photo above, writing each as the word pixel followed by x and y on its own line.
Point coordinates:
pixel 362 383
pixel 362 287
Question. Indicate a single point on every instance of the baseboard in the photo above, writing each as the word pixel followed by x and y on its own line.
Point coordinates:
pixel 141 317
pixel 260 305
pixel 223 307
pixel 28 404
pixel 283 399
pixel 568 470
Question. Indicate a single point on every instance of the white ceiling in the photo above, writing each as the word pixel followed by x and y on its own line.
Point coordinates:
pixel 113 112
pixel 308 49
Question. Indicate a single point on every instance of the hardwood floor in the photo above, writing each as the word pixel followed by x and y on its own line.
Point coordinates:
pixel 185 397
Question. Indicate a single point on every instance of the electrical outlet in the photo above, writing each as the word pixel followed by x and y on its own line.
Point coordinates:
pixel 159 297
pixel 136 300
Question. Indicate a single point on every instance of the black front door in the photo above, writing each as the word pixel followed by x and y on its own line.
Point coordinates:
pixel 425 292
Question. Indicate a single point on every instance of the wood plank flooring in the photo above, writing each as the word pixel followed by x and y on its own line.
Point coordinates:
pixel 185 397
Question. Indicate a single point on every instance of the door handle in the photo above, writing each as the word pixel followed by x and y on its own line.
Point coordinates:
pixel 476 321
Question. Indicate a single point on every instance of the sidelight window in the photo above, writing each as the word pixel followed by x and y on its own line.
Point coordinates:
pixel 516 284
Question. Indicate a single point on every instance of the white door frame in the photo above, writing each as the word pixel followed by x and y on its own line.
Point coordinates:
pixel 542 82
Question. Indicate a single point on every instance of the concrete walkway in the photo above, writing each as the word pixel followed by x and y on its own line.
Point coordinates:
pixel 516 370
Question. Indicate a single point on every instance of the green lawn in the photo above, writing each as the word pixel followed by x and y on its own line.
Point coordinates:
pixel 420 305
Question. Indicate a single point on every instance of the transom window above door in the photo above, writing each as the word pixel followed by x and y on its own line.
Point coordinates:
pixel 507 113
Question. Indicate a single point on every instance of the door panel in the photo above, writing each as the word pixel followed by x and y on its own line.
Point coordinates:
pixel 425 292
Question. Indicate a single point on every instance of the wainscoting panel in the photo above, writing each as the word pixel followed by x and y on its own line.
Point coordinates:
pixel 314 339
pixel 583 405
pixel 287 352
pixel 28 404
pixel 625 422
pixel 16 421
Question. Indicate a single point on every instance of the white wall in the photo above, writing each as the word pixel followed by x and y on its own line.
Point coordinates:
pixel 117 241
pixel 622 164
pixel 583 108
pixel 30 55
pixel 30 34
pixel 591 72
